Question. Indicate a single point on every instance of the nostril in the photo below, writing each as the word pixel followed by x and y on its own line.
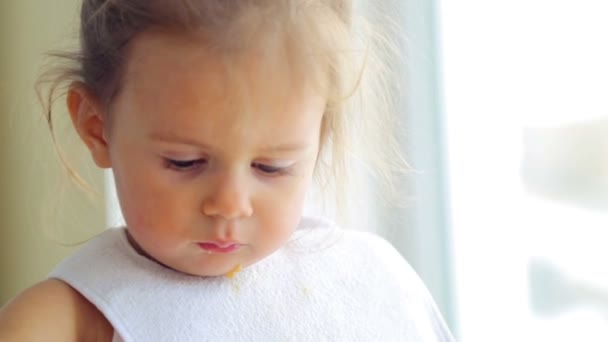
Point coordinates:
pixel 227 209
pixel 227 197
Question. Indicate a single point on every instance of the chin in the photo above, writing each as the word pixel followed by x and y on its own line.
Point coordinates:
pixel 212 272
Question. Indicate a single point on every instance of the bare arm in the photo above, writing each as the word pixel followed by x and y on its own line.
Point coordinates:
pixel 52 311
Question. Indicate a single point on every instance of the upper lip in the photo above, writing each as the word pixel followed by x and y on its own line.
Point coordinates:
pixel 221 244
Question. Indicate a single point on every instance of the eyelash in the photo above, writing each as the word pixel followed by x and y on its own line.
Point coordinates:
pixel 270 170
pixel 189 165
pixel 184 165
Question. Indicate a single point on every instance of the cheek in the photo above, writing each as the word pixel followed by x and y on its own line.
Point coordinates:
pixel 138 194
pixel 146 217
pixel 286 207
pixel 132 203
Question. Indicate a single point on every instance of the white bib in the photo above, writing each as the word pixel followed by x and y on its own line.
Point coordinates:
pixel 326 284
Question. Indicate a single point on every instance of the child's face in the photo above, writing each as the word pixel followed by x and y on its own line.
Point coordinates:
pixel 211 174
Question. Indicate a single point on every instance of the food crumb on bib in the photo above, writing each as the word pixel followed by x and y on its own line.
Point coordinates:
pixel 234 271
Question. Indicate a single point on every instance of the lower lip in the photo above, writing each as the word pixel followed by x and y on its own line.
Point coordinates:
pixel 213 248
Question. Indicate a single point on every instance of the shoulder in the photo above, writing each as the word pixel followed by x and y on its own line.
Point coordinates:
pixel 374 263
pixel 52 310
pixel 319 234
pixel 396 287
pixel 375 249
pixel 358 253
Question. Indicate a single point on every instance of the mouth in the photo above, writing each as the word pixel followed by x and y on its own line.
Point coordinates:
pixel 219 247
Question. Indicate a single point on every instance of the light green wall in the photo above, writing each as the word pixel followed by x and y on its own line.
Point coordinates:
pixel 37 202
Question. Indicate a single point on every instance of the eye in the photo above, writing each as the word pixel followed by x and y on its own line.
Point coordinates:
pixel 269 169
pixel 184 165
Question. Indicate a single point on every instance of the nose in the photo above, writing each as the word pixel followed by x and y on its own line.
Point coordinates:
pixel 229 199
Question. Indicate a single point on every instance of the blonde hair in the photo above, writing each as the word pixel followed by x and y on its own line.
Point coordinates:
pixel 326 40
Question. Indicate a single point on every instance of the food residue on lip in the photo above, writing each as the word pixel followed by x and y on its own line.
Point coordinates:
pixel 234 271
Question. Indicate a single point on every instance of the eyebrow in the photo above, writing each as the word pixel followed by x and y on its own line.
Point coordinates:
pixel 174 139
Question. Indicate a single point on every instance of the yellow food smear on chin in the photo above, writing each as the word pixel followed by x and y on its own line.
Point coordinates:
pixel 234 271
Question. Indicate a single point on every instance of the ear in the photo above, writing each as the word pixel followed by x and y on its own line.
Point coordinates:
pixel 86 114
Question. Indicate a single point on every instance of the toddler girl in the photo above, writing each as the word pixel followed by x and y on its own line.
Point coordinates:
pixel 213 116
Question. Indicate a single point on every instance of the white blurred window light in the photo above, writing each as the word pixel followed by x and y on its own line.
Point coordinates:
pixel 526 112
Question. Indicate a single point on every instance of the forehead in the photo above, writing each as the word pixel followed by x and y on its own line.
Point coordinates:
pixel 182 76
pixel 186 64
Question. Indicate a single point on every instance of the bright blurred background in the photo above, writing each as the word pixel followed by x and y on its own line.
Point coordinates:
pixel 506 125
pixel 525 111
